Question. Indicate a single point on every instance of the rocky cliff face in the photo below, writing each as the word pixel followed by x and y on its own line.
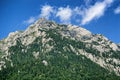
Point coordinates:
pixel 44 37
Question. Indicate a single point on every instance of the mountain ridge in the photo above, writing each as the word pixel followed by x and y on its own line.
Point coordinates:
pixel 47 36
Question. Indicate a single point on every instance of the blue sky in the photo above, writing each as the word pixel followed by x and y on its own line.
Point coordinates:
pixel 98 16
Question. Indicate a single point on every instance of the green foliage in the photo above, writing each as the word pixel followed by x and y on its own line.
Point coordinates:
pixel 1 53
pixel 115 54
pixel 95 43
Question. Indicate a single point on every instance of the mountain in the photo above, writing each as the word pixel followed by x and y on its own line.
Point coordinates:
pixel 50 51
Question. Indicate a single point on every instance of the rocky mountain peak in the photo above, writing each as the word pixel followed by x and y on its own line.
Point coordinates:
pixel 45 40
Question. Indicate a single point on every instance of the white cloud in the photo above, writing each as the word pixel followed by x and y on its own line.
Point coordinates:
pixel 46 11
pixel 64 14
pixel 95 11
pixel 78 11
pixel 117 10
pixel 80 14
pixel 30 20
pixel 108 1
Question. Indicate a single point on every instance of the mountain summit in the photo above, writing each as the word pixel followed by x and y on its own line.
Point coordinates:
pixel 50 51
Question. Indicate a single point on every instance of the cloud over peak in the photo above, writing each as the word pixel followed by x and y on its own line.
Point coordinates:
pixel 95 11
pixel 30 20
pixel 64 14
pixel 46 11
pixel 80 14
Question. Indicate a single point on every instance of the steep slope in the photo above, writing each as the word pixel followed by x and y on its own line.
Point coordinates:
pixel 47 50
